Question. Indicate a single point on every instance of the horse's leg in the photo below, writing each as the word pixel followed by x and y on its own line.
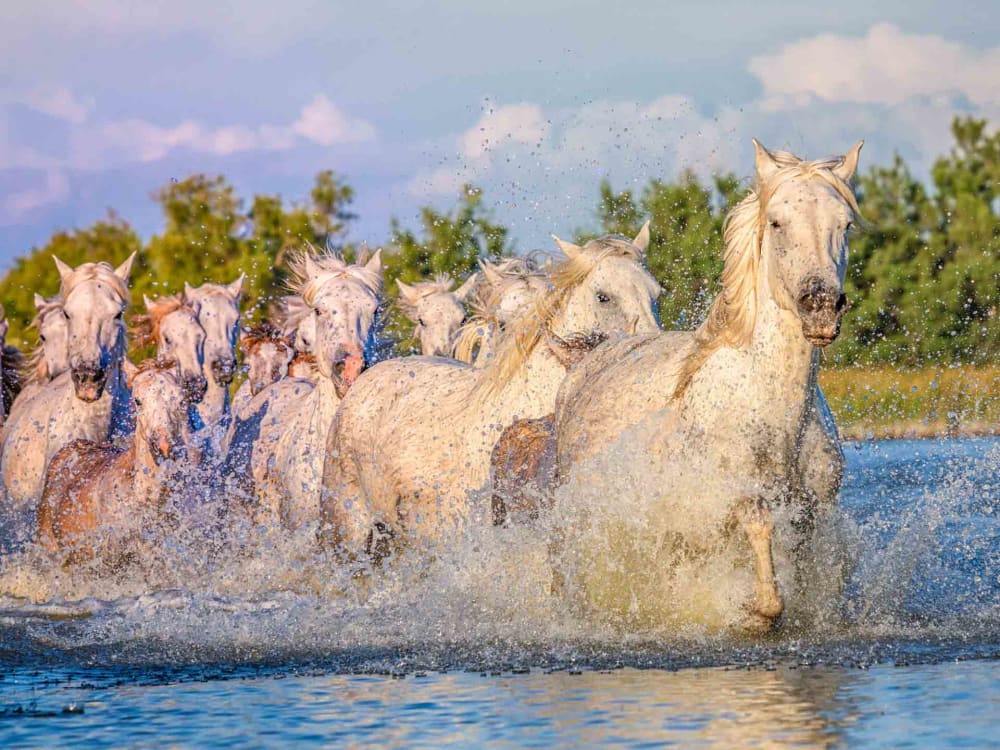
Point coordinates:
pixel 755 519
pixel 345 519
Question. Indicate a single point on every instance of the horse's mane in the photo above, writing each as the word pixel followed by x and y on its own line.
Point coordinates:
pixel 262 333
pixel 733 313
pixel 326 267
pixel 102 272
pixel 440 284
pixel 146 326
pixel 485 301
pixel 13 363
pixel 529 328
pixel 34 368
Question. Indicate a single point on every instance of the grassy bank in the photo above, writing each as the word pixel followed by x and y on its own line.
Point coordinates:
pixel 883 402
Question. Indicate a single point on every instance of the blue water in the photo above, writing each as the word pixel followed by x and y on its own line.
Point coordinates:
pixel 915 662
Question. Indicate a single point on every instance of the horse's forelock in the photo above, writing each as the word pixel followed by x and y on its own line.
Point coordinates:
pixel 101 272
pixel 146 326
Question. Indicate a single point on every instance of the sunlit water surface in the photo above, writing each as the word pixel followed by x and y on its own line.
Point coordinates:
pixel 474 653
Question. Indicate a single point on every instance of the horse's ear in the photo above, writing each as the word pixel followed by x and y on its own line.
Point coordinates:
pixel 188 291
pixel 147 302
pixel 406 291
pixel 130 371
pixel 65 271
pixel 235 289
pixel 364 253
pixel 374 263
pixel 764 161
pixel 39 301
pixel 569 249
pixel 463 292
pixel 312 267
pixel 849 164
pixel 490 272
pixel 125 268
pixel 641 240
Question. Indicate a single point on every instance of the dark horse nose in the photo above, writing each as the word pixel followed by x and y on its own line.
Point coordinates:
pixel 819 296
pixel 223 371
pixel 195 387
pixel 89 379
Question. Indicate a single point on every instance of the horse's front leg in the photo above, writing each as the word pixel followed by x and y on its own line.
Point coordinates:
pixel 754 518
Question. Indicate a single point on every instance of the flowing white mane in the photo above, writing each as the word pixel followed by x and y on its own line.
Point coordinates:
pixel 311 271
pixel 101 272
pixel 529 329
pixel 733 314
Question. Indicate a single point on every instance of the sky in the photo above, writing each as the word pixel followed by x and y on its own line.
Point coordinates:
pixel 102 102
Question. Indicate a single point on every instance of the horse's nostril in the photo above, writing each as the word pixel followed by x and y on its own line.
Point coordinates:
pixel 842 303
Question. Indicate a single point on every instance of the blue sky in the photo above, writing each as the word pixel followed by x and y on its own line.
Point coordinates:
pixel 101 102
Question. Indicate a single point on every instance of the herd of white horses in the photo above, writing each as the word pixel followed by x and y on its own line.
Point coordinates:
pixel 534 377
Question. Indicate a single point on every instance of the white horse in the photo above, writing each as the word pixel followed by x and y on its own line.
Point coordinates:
pixel 218 308
pixel 503 291
pixel 669 444
pixel 284 440
pixel 413 437
pixel 90 400
pixel 436 310
pixel 51 357
pixel 298 325
pixel 171 324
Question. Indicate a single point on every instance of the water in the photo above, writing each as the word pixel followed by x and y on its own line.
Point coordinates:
pixel 470 653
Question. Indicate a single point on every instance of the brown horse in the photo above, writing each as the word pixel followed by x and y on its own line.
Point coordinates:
pixel 94 489
pixel 266 355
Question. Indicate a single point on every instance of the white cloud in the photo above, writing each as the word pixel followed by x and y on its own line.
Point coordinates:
pixel 15 206
pixel 886 66
pixel 61 104
pixel 322 122
pixel 499 126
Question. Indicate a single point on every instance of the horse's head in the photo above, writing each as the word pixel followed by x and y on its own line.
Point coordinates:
pixel 161 402
pixel 52 356
pixel 508 288
pixel 608 291
pixel 806 210
pixel 218 308
pixel 436 310
pixel 266 354
pixel 95 296
pixel 345 301
pixel 172 324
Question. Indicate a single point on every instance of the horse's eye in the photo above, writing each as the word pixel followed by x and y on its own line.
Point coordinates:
pixel 603 298
pixel 65 314
pixel 167 341
pixel 138 403
pixel 420 321
pixel 849 225
pixel 119 315
pixel 775 224
pixel 41 338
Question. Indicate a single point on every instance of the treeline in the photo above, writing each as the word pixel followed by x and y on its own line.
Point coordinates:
pixel 924 274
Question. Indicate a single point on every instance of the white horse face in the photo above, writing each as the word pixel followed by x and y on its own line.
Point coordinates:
pixel 517 296
pixel 618 296
pixel 93 308
pixel 438 317
pixel 344 312
pixel 219 315
pixel 53 333
pixel 267 363
pixel 161 413
pixel 182 341
pixel 804 247
pixel 305 335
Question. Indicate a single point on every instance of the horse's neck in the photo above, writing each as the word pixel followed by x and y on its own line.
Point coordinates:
pixel 323 402
pixel 215 405
pixel 531 392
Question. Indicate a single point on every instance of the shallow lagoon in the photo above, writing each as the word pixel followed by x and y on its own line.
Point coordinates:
pixel 916 663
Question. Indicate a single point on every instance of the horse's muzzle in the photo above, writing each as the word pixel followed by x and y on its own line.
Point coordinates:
pixel 89 381
pixel 195 387
pixel 346 368
pixel 164 449
pixel 223 371
pixel 821 309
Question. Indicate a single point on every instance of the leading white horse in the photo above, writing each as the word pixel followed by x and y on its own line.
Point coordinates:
pixel 88 401
pixel 670 444
pixel 413 437
pixel 284 437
